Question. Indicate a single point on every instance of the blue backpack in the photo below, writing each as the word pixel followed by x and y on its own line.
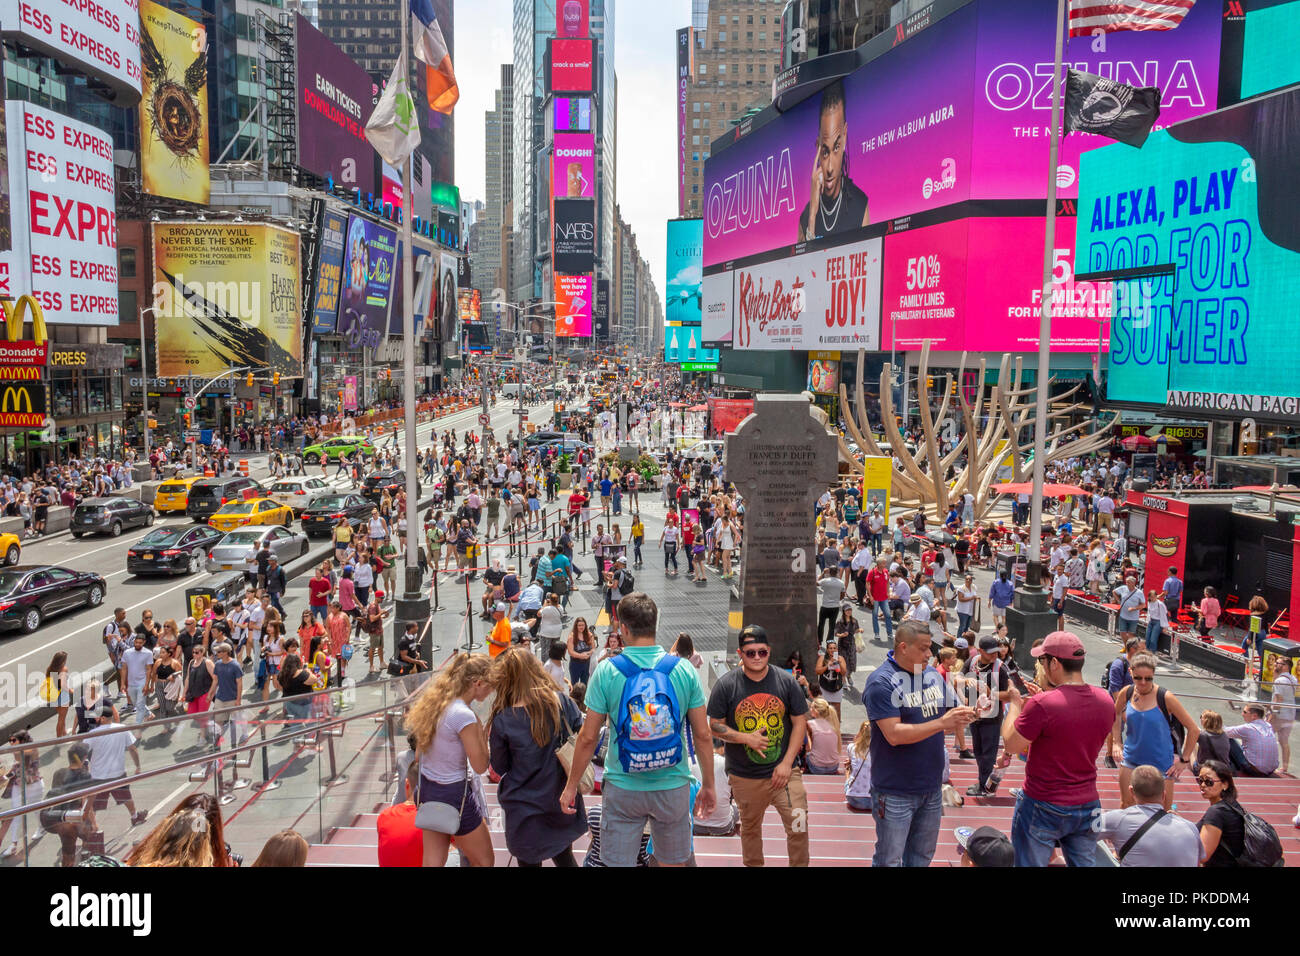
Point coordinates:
pixel 649 720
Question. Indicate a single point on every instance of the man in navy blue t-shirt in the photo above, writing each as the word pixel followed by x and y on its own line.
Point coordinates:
pixel 911 708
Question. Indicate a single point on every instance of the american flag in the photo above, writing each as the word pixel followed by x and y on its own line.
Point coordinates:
pixel 1087 16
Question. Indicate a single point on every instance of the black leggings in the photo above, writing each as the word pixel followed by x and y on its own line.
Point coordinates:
pixel 560 859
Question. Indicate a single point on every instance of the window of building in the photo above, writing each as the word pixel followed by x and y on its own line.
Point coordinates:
pixel 695 188
pixel 722 21
pixel 695 107
pixel 695 124
pixel 722 68
pixel 704 68
pixel 707 106
pixel 762 38
pixel 762 68
pixel 749 68
pixel 695 141
pixel 735 19
pixel 750 19
pixel 126 263
pixel 722 37
pixel 706 123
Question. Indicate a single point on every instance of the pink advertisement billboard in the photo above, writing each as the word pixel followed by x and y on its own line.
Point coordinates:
pixel 574 173
pixel 571 18
pixel 975 284
pixel 573 315
pixel 957 111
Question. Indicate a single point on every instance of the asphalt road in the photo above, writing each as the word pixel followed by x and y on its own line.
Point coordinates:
pixel 23 657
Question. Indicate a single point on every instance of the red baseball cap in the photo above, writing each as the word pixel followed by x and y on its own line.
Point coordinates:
pixel 1059 644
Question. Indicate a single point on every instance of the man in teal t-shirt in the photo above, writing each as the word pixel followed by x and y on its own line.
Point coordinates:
pixel 659 797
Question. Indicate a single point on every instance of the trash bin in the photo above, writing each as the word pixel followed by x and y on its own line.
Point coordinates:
pixel 1283 646
pixel 222 590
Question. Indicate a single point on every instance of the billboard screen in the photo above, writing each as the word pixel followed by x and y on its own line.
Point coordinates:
pixel 684 291
pixel 335 99
pixel 174 106
pixel 64 212
pixel 573 316
pixel 571 66
pixel 368 269
pixel 600 311
pixel 1216 198
pixel 423 290
pixel 574 250
pixel 571 18
pixel 208 322
pixel 574 172
pixel 100 39
pixel 828 299
pixel 719 307
pixel 572 114
pixel 964 117
pixel 682 346
pixel 1013 98
pixel 976 284
pixel 1272 35
pixel 685 68
pixel 824 376
pixel 329 273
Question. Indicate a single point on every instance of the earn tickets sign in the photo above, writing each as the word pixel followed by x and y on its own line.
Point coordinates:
pixel 64 217
pixel 99 38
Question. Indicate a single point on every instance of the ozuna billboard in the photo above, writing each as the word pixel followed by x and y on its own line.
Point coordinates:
pixel 64 211
pixel 957 111
pixel 1216 198
pixel 100 38
pixel 828 299
pixel 335 99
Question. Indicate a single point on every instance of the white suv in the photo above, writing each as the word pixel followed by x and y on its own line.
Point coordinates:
pixel 297 493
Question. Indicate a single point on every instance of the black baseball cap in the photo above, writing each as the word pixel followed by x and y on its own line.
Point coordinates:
pixel 986 846
pixel 753 634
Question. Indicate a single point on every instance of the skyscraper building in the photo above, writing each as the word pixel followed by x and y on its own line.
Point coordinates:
pixel 534 24
pixel 489 252
pixel 737 53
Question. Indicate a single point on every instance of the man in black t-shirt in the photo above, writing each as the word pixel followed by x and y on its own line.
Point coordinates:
pixel 988 683
pixel 761 714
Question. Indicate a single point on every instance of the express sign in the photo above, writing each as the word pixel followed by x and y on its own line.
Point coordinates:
pixel 65 217
pixel 99 38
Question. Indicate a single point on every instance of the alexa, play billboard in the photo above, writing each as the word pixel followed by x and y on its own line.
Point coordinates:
pixel 956 111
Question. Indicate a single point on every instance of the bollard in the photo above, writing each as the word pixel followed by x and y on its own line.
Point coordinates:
pixel 267 782
pixel 335 778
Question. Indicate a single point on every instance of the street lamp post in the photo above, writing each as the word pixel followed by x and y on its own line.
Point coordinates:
pixel 144 379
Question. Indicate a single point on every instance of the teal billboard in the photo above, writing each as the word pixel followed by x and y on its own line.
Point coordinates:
pixel 1215 197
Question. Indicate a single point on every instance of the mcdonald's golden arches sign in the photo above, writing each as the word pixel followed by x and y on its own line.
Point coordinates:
pixel 22 404
pixel 17 350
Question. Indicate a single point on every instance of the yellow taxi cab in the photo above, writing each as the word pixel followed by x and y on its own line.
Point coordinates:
pixel 11 547
pixel 174 494
pixel 237 514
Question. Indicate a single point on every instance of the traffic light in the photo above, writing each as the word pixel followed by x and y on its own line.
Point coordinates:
pixel 275 379
pixel 249 381
pixel 186 419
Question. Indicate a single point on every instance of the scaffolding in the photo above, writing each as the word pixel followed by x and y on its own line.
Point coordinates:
pixel 281 126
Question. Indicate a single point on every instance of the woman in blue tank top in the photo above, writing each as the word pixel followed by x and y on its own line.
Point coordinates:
pixel 1145 718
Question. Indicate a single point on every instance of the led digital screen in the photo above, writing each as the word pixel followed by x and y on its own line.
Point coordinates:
pixel 1268 60
pixel 571 18
pixel 335 99
pixel 574 171
pixel 571 66
pixel 573 314
pixel 572 114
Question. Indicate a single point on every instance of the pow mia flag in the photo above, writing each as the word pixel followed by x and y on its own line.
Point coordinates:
pixel 1094 104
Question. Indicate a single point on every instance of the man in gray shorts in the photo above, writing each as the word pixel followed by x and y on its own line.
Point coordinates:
pixel 659 794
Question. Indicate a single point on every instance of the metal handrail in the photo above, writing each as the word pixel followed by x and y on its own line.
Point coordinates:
pixel 16 749
pixel 205 758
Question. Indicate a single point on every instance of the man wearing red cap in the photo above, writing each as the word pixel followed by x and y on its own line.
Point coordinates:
pixel 1067 726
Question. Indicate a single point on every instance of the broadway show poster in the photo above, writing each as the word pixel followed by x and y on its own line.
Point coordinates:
pixel 368 270
pixel 329 273
pixel 173 105
pixel 1215 197
pixel 227 295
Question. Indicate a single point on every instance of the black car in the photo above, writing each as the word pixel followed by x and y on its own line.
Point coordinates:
pixel 29 593
pixel 323 514
pixel 209 494
pixel 172 550
pixel 109 516
pixel 391 481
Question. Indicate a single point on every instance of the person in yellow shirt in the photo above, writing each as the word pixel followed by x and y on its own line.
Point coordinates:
pixel 499 639
pixel 638 536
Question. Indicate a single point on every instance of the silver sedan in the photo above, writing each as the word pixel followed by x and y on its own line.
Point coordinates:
pixel 230 552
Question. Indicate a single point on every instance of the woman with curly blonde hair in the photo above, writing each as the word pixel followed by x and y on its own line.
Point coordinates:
pixel 531 720
pixel 447 734
pixel 191 835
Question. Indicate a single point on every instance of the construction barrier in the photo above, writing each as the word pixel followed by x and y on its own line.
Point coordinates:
pixel 243 467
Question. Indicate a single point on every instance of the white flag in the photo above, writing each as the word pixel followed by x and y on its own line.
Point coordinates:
pixel 393 129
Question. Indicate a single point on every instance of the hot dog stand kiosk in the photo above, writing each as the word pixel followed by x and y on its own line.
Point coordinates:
pixel 1241 543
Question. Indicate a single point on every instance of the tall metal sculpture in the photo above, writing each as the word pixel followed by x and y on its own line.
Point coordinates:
pixel 999 424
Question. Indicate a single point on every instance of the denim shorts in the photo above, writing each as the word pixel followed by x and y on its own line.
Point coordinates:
pixel 454 794
pixel 624 814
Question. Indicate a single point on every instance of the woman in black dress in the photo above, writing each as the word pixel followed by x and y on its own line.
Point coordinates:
pixel 530 721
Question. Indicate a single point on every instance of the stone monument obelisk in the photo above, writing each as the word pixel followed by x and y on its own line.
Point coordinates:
pixel 782 460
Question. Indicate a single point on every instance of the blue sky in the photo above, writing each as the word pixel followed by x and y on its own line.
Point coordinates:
pixel 645 58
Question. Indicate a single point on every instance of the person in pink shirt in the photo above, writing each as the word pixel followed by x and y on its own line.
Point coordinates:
pixel 1208 612
pixel 338 625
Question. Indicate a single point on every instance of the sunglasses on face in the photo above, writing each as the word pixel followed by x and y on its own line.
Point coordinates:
pixel 1207 781
pixel 1142 680
pixel 757 653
